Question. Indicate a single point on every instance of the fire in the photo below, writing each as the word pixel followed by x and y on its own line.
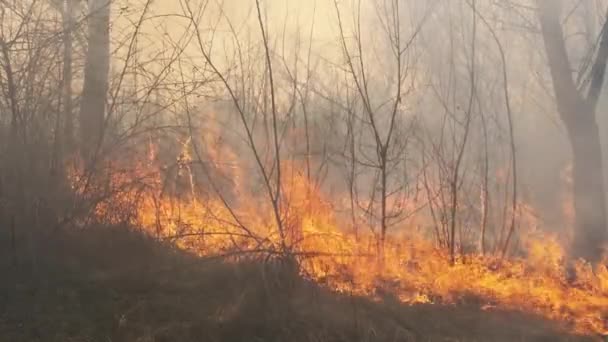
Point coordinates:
pixel 413 269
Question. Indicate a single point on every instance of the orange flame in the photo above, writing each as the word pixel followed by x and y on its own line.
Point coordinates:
pixel 412 270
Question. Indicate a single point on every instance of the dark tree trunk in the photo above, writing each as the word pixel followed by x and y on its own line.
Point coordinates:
pixel 97 65
pixel 588 190
pixel 578 116
pixel 68 114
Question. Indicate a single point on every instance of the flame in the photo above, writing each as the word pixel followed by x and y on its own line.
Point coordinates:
pixel 412 269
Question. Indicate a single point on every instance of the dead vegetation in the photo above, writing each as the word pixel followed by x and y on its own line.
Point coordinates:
pixel 173 175
pixel 111 284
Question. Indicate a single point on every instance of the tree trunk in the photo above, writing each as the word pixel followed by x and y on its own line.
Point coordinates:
pixel 578 116
pixel 97 65
pixel 68 114
pixel 588 190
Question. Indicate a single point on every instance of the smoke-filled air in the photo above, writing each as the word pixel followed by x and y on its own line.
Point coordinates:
pixel 289 170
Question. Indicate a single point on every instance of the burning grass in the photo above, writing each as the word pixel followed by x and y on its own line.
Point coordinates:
pixel 116 284
pixel 412 269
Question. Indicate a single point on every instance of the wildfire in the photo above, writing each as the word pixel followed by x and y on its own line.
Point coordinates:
pixel 412 268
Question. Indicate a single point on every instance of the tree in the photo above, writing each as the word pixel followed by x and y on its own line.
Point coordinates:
pixel 578 114
pixel 68 116
pixel 388 130
pixel 95 88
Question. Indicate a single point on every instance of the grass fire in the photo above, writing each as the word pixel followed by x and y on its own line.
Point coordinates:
pixel 248 170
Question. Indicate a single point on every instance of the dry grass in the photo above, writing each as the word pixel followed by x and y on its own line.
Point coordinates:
pixel 115 285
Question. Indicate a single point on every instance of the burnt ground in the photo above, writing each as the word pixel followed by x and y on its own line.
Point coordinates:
pixel 114 285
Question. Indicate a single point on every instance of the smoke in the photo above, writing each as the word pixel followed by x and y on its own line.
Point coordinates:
pixel 308 42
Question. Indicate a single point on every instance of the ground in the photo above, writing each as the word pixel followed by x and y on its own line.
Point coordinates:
pixel 117 285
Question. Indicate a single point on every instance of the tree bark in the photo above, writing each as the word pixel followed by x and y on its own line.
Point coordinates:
pixel 97 65
pixel 578 115
pixel 68 114
pixel 588 189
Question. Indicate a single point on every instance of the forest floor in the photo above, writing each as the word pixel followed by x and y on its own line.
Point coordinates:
pixel 114 285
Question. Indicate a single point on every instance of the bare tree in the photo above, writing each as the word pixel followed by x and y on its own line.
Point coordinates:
pixel 387 127
pixel 69 24
pixel 96 73
pixel 454 184
pixel 578 114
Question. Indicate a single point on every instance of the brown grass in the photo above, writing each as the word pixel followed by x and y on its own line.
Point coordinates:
pixel 117 285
